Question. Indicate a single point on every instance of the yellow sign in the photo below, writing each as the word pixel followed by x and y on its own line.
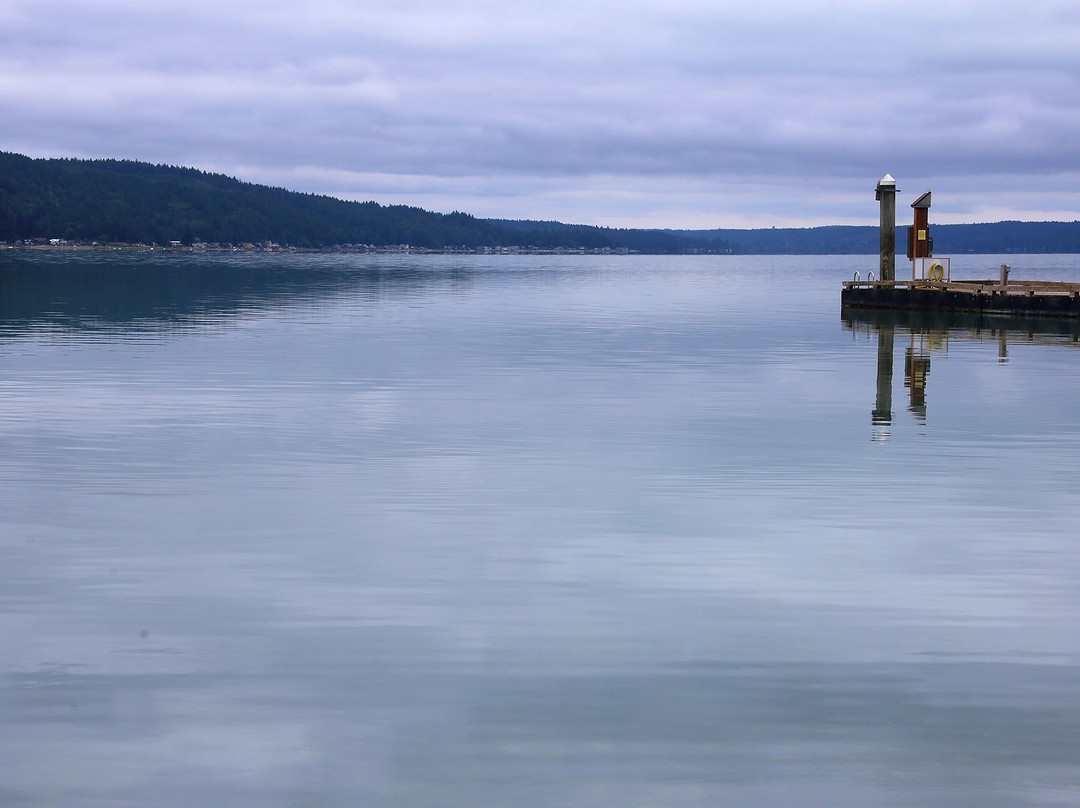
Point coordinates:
pixel 922 235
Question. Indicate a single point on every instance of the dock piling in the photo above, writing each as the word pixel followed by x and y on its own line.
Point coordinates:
pixel 886 195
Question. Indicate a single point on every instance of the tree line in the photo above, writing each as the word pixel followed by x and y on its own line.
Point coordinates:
pixel 949 239
pixel 139 203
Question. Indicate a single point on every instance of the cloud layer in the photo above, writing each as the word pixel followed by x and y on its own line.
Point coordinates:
pixel 682 113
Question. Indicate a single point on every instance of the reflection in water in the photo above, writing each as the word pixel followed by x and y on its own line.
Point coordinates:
pixel 522 531
pixel 882 415
pixel 111 291
pixel 929 333
pixel 916 369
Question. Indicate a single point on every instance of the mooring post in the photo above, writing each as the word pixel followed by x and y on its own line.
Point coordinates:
pixel 886 195
pixel 1004 274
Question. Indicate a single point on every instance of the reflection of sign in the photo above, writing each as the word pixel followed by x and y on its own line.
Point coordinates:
pixel 916 369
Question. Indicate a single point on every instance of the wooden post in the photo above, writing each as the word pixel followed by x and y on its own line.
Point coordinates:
pixel 1004 274
pixel 886 195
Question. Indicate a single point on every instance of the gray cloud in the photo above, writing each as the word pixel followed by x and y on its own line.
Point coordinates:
pixel 674 114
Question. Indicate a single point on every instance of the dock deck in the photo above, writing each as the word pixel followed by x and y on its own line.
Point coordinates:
pixel 1014 297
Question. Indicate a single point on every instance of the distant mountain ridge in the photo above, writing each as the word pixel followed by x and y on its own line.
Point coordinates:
pixel 133 202
pixel 989 238
pixel 127 201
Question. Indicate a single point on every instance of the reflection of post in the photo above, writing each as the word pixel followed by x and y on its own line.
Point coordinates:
pixel 882 415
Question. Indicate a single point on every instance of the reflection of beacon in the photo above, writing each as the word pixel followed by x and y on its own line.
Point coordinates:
pixel 886 195
pixel 882 414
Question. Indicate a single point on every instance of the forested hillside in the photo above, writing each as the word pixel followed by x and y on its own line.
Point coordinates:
pixel 126 201
pixel 139 203
pixel 949 239
pixel 132 202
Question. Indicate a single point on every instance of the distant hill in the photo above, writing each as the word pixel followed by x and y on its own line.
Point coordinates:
pixel 545 234
pixel 949 239
pixel 828 240
pixel 126 201
pixel 133 202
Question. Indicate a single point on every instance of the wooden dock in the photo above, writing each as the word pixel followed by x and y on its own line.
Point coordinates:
pixel 994 297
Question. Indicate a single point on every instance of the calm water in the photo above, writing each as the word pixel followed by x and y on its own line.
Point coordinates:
pixel 530 531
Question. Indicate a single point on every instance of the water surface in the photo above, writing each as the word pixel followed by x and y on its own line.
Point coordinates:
pixel 530 531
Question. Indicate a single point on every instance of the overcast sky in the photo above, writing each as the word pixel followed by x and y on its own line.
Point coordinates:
pixel 657 113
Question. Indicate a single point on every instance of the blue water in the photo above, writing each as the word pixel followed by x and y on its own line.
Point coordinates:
pixel 530 531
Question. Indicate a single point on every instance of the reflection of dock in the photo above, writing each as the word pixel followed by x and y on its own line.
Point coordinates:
pixel 1011 298
pixel 967 325
pixel 916 370
pixel 930 333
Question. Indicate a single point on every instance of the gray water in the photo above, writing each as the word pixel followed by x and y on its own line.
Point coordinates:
pixel 530 531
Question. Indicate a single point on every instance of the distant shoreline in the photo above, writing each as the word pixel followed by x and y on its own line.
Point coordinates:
pixel 338 249
pixel 138 206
